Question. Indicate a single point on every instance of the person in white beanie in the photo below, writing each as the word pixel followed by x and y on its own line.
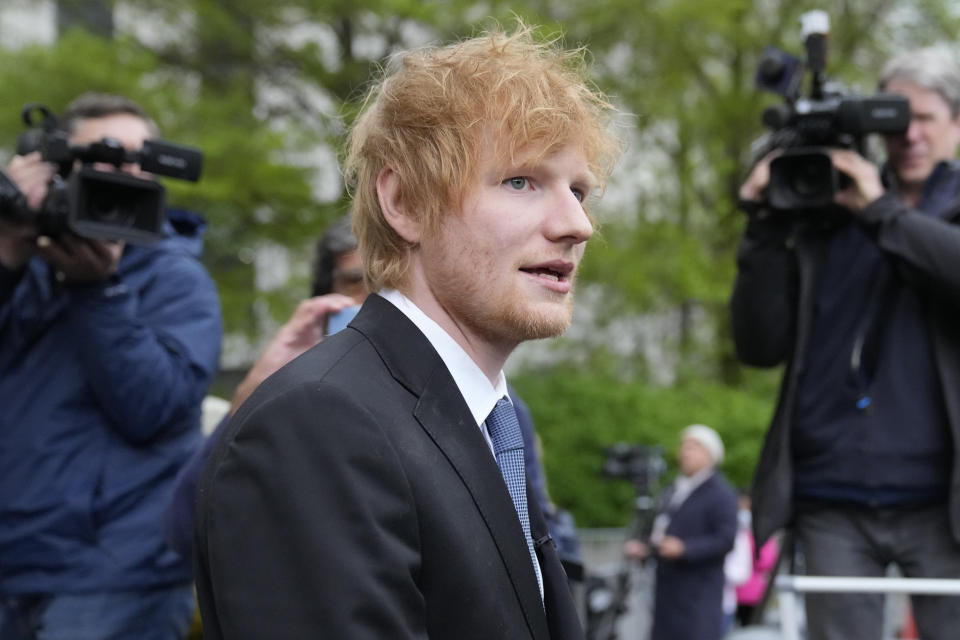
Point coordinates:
pixel 694 529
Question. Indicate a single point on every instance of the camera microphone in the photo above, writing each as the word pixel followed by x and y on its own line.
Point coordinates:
pixel 171 160
pixel 815 27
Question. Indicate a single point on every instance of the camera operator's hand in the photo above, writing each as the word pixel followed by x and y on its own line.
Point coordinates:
pixel 81 260
pixel 32 176
pixel 754 187
pixel 304 329
pixel 865 185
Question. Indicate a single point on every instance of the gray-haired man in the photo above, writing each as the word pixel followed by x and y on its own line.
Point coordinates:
pixel 861 457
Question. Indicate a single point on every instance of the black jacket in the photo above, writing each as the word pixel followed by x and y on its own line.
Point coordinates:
pixel 353 496
pixel 772 307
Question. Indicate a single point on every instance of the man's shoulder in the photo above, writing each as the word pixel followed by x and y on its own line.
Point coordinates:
pixel 165 266
pixel 349 383
pixel 343 366
pixel 723 488
pixel 181 243
pixel 950 168
pixel 943 186
pixel 322 403
pixel 718 487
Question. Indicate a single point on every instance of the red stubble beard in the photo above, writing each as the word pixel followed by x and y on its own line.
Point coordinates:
pixel 510 313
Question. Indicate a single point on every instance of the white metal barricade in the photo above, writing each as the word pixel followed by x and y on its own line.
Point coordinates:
pixel 789 587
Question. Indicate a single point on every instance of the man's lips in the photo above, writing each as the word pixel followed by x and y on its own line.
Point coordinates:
pixel 556 269
pixel 557 274
pixel 912 156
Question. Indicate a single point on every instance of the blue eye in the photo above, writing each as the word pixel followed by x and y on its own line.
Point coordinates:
pixel 517 182
pixel 578 194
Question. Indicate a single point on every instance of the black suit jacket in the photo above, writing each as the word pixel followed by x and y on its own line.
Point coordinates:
pixel 353 496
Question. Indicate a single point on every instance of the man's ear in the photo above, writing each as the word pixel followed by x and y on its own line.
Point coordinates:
pixel 394 208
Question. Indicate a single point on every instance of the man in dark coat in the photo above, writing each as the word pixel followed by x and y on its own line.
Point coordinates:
pixel 367 489
pixel 691 535
pixel 860 303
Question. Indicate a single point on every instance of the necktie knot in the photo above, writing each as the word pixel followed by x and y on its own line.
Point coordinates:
pixel 504 428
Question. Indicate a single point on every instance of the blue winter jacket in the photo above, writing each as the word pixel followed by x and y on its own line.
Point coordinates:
pixel 100 393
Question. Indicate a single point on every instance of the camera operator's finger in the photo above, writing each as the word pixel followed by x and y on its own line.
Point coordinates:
pixel 753 188
pixel 55 253
pixel 865 185
pixel 80 260
pixel 306 325
pixel 99 257
pixel 32 176
pixel 109 251
pixel 318 307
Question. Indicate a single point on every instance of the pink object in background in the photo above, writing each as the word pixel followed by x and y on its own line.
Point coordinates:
pixel 751 591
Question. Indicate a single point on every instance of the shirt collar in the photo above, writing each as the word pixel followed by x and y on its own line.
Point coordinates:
pixel 476 389
pixel 939 189
pixel 685 485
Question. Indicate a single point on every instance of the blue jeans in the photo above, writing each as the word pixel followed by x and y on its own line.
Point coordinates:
pixel 860 541
pixel 155 614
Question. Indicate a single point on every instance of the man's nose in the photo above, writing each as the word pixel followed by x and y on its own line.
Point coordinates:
pixel 914 131
pixel 570 220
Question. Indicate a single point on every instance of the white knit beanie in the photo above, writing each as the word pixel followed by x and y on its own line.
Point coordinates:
pixel 706 436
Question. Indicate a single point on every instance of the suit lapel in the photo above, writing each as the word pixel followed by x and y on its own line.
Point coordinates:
pixel 679 517
pixel 450 424
pixel 698 491
pixel 562 618
pixel 444 415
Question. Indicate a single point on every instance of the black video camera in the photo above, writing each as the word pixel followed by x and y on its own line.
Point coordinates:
pixel 93 203
pixel 641 464
pixel 803 175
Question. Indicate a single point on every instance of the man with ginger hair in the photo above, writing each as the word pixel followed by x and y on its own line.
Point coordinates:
pixel 369 489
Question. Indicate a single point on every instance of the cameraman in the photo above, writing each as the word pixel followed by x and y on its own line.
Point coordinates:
pixel 861 457
pixel 106 351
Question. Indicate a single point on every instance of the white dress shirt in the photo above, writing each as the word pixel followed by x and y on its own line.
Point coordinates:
pixel 479 394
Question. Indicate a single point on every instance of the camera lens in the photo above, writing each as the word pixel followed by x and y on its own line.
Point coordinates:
pixel 801 178
pixel 115 205
pixel 810 179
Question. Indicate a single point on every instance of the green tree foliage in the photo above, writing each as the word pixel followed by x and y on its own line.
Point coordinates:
pixel 581 412
pixel 245 181
pixel 684 70
pixel 263 88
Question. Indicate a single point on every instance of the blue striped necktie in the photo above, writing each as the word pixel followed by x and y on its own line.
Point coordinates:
pixel 508 447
